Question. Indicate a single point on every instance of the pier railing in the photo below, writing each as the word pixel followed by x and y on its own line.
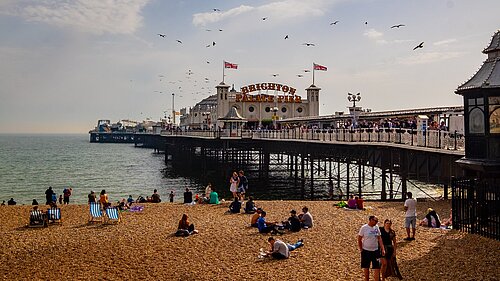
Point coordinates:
pixel 430 138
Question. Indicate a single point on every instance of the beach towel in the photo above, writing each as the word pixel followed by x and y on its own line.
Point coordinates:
pixel 136 208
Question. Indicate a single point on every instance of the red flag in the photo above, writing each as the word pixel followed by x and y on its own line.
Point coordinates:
pixel 319 67
pixel 230 65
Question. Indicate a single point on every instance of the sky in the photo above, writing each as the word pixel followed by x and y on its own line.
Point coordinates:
pixel 64 64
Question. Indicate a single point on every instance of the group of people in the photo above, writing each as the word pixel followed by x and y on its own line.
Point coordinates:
pixel 293 223
pixel 355 202
pixel 238 184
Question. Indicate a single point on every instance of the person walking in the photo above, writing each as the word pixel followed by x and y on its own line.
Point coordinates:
pixel 389 266
pixel 411 216
pixel 67 193
pixel 48 195
pixel 371 246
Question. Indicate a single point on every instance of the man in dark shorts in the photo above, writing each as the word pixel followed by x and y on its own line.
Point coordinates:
pixel 370 245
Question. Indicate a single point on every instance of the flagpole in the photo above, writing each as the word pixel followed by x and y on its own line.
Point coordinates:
pixel 313 73
pixel 223 67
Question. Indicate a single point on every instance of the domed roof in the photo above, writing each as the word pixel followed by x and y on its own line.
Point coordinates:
pixel 488 76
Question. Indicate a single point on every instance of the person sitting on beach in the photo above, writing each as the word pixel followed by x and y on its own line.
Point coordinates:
pixel 11 202
pixel 264 226
pixel 188 196
pixel 122 205
pixel 103 199
pixel 92 197
pixel 306 218
pixel 351 203
pixel 250 206
pixel 214 197
pixel 3 203
pixel 155 198
pixel 449 221
pixel 34 202
pixel 185 228
pixel 360 203
pixel 255 217
pixel 141 199
pixel 431 219
pixel 293 222
pixel 130 200
pixel 235 206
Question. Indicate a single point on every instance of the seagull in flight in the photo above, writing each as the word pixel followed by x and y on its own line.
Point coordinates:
pixel 366 23
pixel 335 22
pixel 208 46
pixel 180 42
pixel 208 30
pixel 397 26
pixel 308 44
pixel 286 37
pixel 162 35
pixel 275 75
pixel 306 70
pixel 421 45
pixel 264 18
pixel 213 43
pixel 300 75
pixel 220 29
pixel 216 10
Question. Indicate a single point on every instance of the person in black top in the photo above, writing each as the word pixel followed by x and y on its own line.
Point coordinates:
pixel 188 196
pixel 250 206
pixel 155 198
pixel 235 206
pixel 293 222
pixel 34 202
pixel 48 195
pixel 11 202
pixel 389 266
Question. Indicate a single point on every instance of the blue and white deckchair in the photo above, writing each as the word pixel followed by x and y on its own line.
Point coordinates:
pixel 113 215
pixel 37 219
pixel 95 213
pixel 54 215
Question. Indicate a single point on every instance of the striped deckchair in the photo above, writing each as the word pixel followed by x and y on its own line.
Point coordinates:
pixel 95 213
pixel 113 215
pixel 54 215
pixel 37 219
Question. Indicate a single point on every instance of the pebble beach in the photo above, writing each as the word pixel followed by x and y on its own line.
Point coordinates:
pixel 142 245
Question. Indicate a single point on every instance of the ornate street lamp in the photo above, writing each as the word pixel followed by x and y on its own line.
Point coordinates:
pixel 354 98
pixel 275 109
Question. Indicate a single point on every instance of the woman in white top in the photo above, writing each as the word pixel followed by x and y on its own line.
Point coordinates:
pixel 234 181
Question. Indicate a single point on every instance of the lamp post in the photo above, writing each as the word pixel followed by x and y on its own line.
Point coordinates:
pixel 173 108
pixel 354 98
pixel 274 109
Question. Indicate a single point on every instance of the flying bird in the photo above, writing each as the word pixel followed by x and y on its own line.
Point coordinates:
pixel 421 45
pixel 180 42
pixel 308 44
pixel 208 30
pixel 306 70
pixel 208 62
pixel 397 26
pixel 264 18
pixel 216 10
pixel 366 23
pixel 208 46
pixel 213 43
pixel 220 29
pixel 286 37
pixel 162 35
pixel 275 75
pixel 300 75
pixel 335 22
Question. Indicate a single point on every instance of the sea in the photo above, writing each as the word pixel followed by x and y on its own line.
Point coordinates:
pixel 29 164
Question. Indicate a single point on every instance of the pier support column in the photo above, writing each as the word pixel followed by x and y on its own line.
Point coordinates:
pixel 312 177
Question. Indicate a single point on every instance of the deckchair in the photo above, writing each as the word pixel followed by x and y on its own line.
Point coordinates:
pixel 37 219
pixel 95 213
pixel 54 215
pixel 113 215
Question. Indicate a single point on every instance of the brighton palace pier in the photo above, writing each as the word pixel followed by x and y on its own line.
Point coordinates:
pixel 260 104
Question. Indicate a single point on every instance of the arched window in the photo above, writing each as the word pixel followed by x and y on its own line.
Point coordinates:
pixel 251 109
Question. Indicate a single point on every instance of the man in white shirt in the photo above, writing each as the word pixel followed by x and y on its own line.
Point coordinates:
pixel 306 218
pixel 371 246
pixel 410 216
pixel 279 249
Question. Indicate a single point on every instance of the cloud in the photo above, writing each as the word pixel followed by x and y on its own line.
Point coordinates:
pixel 430 57
pixel 445 42
pixel 277 11
pixel 93 16
pixel 375 35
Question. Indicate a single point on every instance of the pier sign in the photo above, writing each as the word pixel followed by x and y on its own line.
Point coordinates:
pixel 288 97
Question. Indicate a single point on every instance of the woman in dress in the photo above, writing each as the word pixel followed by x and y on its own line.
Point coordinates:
pixel 389 266
pixel 234 181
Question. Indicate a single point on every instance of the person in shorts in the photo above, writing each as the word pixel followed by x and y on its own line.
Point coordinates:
pixel 410 216
pixel 371 247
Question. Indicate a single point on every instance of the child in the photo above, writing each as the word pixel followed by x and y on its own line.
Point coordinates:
pixel 171 196
pixel 60 199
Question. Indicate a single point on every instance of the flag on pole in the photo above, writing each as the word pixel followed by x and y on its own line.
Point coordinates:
pixel 319 67
pixel 230 65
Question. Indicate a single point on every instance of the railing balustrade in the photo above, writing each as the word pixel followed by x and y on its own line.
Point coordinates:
pixel 430 138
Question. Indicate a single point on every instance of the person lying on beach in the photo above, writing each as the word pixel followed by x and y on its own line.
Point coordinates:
pixel 185 228
pixel 306 218
pixel 280 249
pixel 255 217
pixel 351 203
pixel 250 206
pixel 293 222
pixel 235 206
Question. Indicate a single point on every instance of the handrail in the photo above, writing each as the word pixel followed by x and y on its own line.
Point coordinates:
pixel 437 139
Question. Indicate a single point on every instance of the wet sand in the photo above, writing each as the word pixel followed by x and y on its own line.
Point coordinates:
pixel 143 246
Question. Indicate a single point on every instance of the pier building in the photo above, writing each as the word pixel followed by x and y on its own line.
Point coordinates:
pixel 261 104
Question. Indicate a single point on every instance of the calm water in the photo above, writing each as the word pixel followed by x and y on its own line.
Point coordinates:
pixel 29 164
